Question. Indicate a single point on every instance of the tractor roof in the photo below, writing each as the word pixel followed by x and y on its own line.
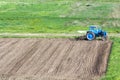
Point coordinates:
pixel 92 26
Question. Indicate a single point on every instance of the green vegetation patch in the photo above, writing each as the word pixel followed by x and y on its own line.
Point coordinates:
pixel 113 71
pixel 56 16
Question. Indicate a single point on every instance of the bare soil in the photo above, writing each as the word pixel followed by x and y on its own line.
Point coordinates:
pixel 53 59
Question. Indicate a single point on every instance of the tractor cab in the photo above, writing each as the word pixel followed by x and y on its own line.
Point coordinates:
pixel 95 29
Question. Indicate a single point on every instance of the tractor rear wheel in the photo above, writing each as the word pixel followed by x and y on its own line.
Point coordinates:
pixel 90 36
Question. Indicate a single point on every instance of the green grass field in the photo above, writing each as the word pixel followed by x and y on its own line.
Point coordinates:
pixel 113 71
pixel 58 16
pixel 64 16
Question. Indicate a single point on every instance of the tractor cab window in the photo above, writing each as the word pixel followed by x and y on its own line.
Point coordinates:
pixel 93 28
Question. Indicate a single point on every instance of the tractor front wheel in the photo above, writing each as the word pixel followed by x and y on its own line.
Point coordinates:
pixel 90 36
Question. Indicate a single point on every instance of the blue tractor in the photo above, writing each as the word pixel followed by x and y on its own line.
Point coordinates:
pixel 94 32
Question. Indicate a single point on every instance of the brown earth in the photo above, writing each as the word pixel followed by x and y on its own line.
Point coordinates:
pixel 53 59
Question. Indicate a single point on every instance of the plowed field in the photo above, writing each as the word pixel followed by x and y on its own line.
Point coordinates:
pixel 53 59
